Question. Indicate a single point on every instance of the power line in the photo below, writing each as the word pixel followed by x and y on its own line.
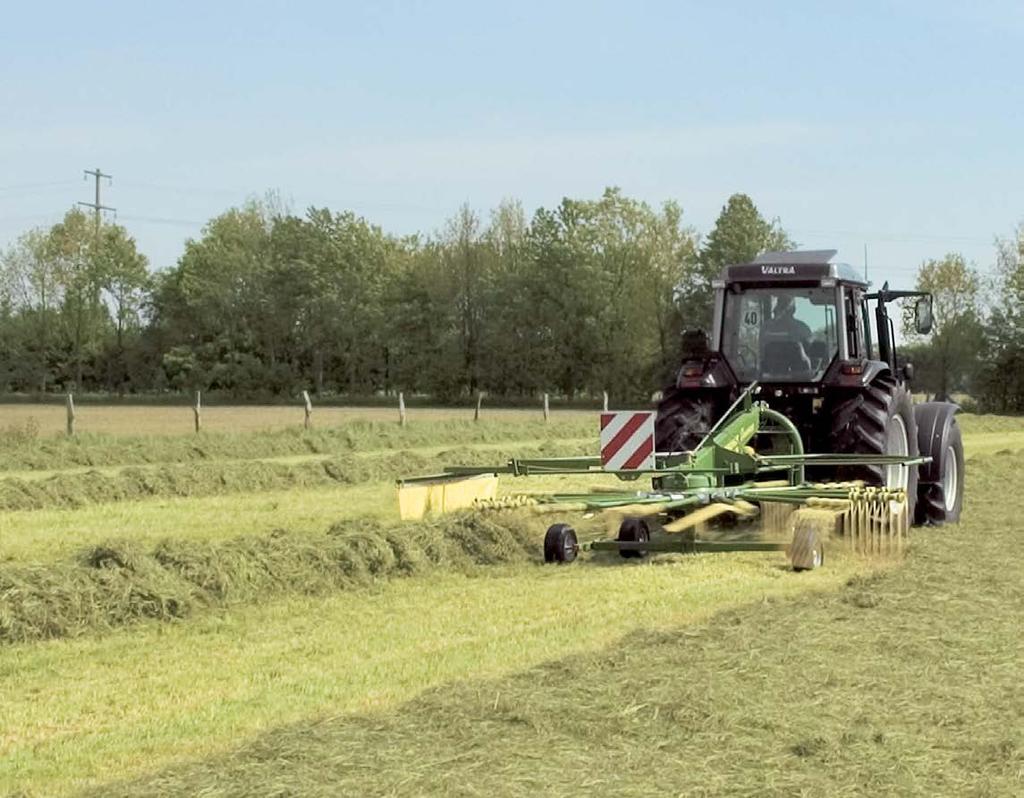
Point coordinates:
pixel 163 220
pixel 32 187
pixel 97 206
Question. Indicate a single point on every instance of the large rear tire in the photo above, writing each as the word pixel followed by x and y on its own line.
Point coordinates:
pixel 684 418
pixel 877 420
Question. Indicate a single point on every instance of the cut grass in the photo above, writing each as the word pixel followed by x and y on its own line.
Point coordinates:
pixel 119 583
pixel 88 711
pixel 47 535
pixel 908 683
pixel 305 459
pixel 254 476
pixel 131 443
pixel 23 452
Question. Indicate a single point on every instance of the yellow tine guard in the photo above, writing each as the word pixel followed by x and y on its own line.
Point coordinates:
pixel 419 499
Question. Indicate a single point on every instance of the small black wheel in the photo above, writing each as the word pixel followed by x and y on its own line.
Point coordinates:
pixel 560 544
pixel 633 530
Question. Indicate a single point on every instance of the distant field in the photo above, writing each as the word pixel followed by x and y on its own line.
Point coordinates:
pixel 160 420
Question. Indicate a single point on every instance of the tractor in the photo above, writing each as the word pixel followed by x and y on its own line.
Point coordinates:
pixel 800 328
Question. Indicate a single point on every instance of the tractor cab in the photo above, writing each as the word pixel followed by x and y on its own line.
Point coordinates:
pixel 788 317
pixel 794 321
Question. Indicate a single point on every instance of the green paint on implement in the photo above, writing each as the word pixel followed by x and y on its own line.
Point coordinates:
pixel 722 471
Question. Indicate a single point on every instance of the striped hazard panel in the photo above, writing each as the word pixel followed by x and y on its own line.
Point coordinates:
pixel 627 440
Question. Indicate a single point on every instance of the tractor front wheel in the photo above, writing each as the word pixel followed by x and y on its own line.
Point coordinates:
pixel 941 502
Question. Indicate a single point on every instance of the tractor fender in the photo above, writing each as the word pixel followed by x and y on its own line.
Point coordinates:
pixel 934 422
pixel 870 371
pixel 712 372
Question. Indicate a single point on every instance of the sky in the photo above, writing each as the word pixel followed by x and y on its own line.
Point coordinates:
pixel 892 126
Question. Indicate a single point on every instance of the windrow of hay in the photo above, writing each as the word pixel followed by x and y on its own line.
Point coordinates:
pixel 211 479
pixel 116 583
pixel 906 682
pixel 23 451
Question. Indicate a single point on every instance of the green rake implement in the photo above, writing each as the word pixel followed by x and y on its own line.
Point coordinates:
pixel 750 465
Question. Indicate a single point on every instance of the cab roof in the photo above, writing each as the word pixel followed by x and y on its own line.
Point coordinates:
pixel 811 265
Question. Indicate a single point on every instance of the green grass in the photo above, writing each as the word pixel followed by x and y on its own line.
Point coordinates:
pixel 77 489
pixel 904 683
pixel 87 711
pixel 24 451
pixel 48 421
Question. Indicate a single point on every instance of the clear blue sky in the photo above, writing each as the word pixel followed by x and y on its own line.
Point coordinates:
pixel 899 125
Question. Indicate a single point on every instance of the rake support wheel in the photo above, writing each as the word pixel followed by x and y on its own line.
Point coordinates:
pixel 633 530
pixel 560 544
pixel 807 550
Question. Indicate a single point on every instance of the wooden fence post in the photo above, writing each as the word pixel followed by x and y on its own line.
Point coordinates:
pixel 308 422
pixel 401 409
pixel 605 400
pixel 479 401
pixel 71 416
pixel 197 408
pixel 547 409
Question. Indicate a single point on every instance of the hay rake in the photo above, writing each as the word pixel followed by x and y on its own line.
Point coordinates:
pixel 724 477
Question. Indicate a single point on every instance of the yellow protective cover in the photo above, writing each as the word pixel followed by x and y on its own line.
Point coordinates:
pixel 418 499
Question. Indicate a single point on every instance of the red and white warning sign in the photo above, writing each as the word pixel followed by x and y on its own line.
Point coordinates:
pixel 627 440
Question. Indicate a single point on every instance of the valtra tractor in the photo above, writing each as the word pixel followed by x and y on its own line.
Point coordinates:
pixel 795 413
pixel 801 326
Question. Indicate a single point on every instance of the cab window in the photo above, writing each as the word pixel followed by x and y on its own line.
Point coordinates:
pixel 780 334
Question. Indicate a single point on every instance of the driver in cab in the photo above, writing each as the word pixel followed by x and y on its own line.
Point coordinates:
pixel 786 339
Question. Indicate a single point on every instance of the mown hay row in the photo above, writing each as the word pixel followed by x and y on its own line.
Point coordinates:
pixel 116 583
pixel 211 479
pixel 33 453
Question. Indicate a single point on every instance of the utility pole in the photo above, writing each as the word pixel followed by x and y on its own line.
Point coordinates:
pixel 97 206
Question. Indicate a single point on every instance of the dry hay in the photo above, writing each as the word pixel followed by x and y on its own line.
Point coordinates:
pixel 116 583
pixel 218 478
pixel 25 450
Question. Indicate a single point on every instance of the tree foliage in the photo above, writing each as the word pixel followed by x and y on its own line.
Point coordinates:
pixel 946 361
pixel 740 234
pixel 1001 380
pixel 588 296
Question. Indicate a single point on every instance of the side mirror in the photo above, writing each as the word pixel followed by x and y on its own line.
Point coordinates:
pixel 923 315
pixel 908 371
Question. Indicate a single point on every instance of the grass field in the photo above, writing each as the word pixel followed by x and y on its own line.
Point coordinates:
pixel 131 420
pixel 488 673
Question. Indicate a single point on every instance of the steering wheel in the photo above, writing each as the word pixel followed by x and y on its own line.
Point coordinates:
pixel 746 356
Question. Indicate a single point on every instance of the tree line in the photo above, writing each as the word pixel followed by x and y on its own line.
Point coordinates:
pixel 589 296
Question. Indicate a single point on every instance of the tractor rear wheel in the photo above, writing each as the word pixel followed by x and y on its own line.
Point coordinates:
pixel 684 418
pixel 877 420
